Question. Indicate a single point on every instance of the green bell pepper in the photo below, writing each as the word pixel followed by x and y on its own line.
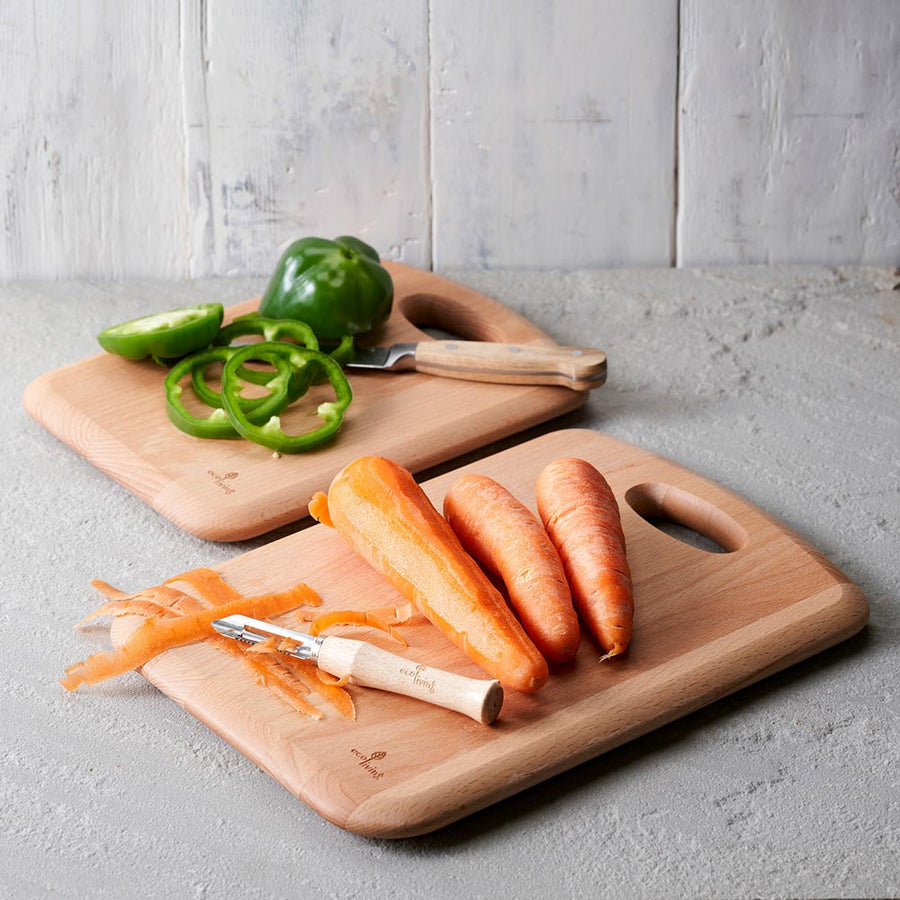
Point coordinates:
pixel 336 287
pixel 218 424
pixel 168 335
pixel 271 434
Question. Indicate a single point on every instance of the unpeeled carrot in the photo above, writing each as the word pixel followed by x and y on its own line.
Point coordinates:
pixel 580 513
pixel 379 509
pixel 507 538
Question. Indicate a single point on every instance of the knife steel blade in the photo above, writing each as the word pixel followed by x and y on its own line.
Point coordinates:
pixel 369 666
pixel 578 368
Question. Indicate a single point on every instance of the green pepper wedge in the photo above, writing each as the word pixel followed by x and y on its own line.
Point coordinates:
pixel 167 335
pixel 218 423
pixel 271 434
pixel 337 287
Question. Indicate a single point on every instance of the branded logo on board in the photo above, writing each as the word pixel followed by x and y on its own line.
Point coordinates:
pixel 366 761
pixel 221 481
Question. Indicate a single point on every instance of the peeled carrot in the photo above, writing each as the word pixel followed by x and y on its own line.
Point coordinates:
pixel 379 509
pixel 580 513
pixel 507 538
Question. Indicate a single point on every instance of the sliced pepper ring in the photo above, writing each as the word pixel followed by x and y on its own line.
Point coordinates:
pixel 272 330
pixel 218 423
pixel 344 351
pixel 271 434
pixel 269 330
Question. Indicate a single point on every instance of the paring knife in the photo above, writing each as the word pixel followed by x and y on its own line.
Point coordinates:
pixel 370 666
pixel 579 368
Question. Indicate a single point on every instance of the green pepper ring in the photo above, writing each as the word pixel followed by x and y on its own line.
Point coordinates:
pixel 271 434
pixel 218 424
pixel 269 330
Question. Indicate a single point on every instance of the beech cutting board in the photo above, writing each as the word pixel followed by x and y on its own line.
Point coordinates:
pixel 706 624
pixel 112 412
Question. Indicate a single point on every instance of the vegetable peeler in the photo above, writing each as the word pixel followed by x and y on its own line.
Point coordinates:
pixel 369 666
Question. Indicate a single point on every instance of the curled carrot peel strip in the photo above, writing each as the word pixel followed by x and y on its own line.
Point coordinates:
pixel 272 674
pixel 171 614
pixel 135 606
pixel 155 635
pixel 355 617
pixel 208 583
pixel 325 678
pixel 269 645
pixel 308 673
pixel 109 591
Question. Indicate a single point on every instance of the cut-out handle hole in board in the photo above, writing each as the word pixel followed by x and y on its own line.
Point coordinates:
pixel 685 517
pixel 443 317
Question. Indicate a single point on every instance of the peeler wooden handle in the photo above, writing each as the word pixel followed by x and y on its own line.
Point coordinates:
pixel 370 666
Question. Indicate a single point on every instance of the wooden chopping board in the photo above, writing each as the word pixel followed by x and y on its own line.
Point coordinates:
pixel 112 412
pixel 706 624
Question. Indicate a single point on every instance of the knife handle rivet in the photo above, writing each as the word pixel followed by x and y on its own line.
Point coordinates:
pixel 515 349
pixel 577 353
pixel 451 346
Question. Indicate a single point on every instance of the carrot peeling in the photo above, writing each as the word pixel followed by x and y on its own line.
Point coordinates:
pixel 581 515
pixel 355 617
pixel 289 679
pixel 134 606
pixel 109 591
pixel 155 634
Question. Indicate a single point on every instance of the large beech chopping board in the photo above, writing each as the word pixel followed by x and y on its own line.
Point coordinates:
pixel 706 624
pixel 112 412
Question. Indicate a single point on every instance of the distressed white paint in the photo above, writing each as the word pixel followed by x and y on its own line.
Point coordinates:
pixel 198 137
pixel 790 132
pixel 553 132
pixel 90 140
pixel 311 121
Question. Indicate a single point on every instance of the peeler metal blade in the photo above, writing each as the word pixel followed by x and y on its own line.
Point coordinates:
pixel 254 631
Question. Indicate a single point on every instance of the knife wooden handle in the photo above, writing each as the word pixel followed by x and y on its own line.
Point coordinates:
pixel 579 368
pixel 370 666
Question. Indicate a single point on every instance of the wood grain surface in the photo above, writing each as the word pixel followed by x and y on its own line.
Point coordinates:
pixel 112 411
pixel 665 132
pixel 706 624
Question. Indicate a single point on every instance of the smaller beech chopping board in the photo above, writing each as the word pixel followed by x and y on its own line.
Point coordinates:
pixel 112 411
pixel 706 624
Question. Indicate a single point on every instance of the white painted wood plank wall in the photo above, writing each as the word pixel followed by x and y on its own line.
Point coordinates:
pixel 198 137
pixel 789 132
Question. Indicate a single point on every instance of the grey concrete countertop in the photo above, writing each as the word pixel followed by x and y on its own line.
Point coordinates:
pixel 780 383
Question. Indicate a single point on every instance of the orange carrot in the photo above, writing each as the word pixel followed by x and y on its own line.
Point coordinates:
pixel 507 538
pixel 379 509
pixel 580 513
